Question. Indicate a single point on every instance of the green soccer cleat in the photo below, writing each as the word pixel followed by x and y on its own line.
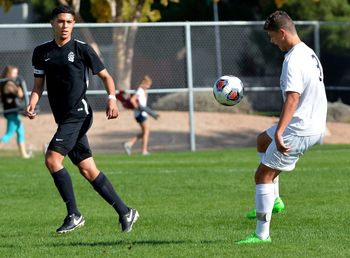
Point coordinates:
pixel 254 239
pixel 278 207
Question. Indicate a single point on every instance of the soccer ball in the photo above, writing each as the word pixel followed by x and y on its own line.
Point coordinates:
pixel 228 90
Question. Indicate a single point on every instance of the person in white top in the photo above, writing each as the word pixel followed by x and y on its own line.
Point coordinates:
pixel 139 100
pixel 302 122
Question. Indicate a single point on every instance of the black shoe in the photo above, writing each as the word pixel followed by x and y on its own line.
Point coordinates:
pixel 70 223
pixel 128 220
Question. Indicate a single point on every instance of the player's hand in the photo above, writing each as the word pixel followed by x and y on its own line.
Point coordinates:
pixel 30 111
pixel 112 111
pixel 281 147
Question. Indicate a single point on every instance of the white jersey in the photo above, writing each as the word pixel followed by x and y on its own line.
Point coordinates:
pixel 302 72
pixel 142 98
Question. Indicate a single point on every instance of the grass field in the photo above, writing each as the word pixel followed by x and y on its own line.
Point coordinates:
pixel 191 205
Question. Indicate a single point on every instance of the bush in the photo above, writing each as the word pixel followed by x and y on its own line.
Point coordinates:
pixel 338 112
pixel 204 101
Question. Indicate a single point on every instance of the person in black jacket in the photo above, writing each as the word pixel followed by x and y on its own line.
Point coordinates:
pixel 12 96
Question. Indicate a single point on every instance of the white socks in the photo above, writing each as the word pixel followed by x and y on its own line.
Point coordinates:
pixel 264 199
pixel 275 181
pixel 277 188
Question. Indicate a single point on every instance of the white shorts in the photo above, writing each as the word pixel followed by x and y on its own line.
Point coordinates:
pixel 299 145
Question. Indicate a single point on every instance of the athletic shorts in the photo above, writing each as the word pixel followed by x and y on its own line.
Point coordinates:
pixel 140 118
pixel 70 138
pixel 299 145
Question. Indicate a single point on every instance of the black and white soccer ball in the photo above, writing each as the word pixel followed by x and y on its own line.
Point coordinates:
pixel 228 90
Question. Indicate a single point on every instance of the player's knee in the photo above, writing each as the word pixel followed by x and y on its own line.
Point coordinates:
pixel 262 216
pixel 90 175
pixel 48 163
pixel 265 174
pixel 88 170
pixel 52 164
pixel 84 172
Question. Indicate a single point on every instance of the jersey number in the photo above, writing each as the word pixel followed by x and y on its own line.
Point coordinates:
pixel 318 67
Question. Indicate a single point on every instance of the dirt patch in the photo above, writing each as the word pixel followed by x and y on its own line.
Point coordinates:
pixel 170 132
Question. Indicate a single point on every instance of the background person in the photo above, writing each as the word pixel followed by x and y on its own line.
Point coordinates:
pixel 12 98
pixel 302 122
pixel 137 100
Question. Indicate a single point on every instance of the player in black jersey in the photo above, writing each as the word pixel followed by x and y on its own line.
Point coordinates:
pixel 65 62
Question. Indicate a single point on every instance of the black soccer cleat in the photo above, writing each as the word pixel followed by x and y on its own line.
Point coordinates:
pixel 128 220
pixel 70 223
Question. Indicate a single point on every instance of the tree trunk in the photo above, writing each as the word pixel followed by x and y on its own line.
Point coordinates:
pixel 124 42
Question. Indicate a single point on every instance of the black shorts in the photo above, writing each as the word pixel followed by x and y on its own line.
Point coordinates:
pixel 140 118
pixel 70 138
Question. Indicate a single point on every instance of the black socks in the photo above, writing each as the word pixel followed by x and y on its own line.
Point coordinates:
pixel 104 187
pixel 101 184
pixel 64 185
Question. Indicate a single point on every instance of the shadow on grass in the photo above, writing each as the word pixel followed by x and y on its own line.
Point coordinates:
pixel 132 243
pixel 7 246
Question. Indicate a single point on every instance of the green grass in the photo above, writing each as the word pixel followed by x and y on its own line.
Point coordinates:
pixel 191 205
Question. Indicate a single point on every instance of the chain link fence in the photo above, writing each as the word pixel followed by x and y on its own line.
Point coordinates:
pixel 184 59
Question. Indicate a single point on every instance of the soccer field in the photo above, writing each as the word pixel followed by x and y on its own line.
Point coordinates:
pixel 191 205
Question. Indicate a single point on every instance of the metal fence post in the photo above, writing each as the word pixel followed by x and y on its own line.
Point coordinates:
pixel 190 87
pixel 317 39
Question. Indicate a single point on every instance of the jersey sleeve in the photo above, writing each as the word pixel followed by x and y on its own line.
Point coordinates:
pixel 294 79
pixel 37 62
pixel 93 60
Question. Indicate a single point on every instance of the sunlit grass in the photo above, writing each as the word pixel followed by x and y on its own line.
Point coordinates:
pixel 191 205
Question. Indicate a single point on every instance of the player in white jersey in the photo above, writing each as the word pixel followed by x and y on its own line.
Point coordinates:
pixel 301 124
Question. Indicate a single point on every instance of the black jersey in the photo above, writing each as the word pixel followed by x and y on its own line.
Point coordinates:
pixel 66 70
pixel 9 99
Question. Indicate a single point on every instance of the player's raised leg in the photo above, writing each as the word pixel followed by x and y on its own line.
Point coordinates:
pixel 278 205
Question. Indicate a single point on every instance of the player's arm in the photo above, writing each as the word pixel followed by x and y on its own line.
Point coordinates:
pixel 288 110
pixel 134 100
pixel 20 93
pixel 111 108
pixel 39 83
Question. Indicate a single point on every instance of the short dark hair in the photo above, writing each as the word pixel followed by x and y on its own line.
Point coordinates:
pixel 279 19
pixel 62 9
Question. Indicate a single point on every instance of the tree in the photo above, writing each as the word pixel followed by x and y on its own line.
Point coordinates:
pixel 122 11
pixel 119 11
pixel 6 4
pixel 335 38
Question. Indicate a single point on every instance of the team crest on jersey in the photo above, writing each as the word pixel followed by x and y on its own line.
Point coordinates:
pixel 71 57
